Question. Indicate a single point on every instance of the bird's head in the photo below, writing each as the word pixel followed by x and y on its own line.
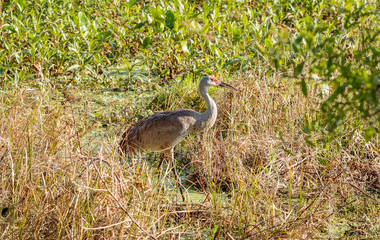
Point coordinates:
pixel 210 81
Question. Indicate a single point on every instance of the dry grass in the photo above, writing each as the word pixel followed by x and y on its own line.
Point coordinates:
pixel 259 177
pixel 280 186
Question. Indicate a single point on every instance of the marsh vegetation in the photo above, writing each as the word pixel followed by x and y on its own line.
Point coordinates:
pixel 293 154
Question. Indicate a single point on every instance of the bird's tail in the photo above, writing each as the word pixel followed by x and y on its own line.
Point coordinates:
pixel 124 146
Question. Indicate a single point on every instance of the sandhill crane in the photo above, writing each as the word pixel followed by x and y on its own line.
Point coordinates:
pixel 163 130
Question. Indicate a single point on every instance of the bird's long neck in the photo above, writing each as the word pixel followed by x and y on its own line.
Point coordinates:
pixel 207 119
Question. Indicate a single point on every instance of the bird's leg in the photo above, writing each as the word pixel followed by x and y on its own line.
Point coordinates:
pixel 176 174
pixel 161 160
pixel 162 157
pixel 160 177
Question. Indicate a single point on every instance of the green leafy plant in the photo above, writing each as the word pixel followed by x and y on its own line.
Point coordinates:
pixel 336 52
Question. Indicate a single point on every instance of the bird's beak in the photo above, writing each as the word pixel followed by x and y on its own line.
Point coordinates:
pixel 222 84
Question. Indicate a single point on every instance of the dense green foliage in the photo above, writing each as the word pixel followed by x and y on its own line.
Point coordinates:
pixel 65 42
pixel 337 44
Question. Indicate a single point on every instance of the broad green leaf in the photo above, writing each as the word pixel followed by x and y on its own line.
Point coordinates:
pixel 220 28
pixel 147 42
pixel 184 46
pixel 309 23
pixel 73 67
pixel 370 131
pixel 140 25
pixel 88 59
pixel 216 12
pixel 128 64
pixel 205 28
pixel 21 4
pixel 169 19
pixel 298 69
pixel 83 23
pixel 304 87
pixel 215 230
pixel 245 20
pixel 157 15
